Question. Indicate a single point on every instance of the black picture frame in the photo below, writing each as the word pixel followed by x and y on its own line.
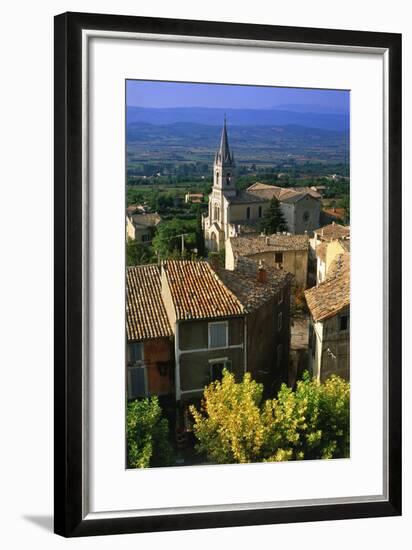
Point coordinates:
pixel 68 431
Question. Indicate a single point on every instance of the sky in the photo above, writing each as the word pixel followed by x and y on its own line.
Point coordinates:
pixel 157 94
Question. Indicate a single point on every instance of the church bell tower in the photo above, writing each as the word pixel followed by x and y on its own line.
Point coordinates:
pixel 224 167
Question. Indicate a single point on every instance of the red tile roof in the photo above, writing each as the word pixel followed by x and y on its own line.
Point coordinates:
pixel 331 296
pixel 146 316
pixel 197 292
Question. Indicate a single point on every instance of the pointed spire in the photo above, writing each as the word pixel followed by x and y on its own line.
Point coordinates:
pixel 224 151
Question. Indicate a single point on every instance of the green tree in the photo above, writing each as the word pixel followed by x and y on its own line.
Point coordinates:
pixel 344 202
pixel 200 239
pixel 234 425
pixel 138 254
pixel 311 422
pixel 147 435
pixel 167 237
pixel 229 425
pixel 273 220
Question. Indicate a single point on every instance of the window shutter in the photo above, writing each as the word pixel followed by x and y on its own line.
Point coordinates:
pixel 136 382
pixel 218 336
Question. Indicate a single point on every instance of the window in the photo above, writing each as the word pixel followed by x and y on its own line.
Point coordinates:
pixel 217 367
pixel 248 212
pixel 145 238
pixel 136 382
pixel 228 178
pixel 218 336
pixel 280 316
pixel 134 352
pixel 306 216
pixel 260 211
pixel 344 322
pixel 279 355
pixel 279 257
pixel 312 340
pixel 280 296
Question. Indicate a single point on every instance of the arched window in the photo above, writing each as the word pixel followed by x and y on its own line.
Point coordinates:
pixel 228 178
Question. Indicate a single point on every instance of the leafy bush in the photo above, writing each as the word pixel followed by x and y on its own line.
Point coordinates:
pixel 147 435
pixel 235 426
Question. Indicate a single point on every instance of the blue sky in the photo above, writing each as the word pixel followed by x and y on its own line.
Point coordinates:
pixel 180 94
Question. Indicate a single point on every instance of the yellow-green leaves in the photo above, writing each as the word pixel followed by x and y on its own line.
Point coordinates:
pixel 234 426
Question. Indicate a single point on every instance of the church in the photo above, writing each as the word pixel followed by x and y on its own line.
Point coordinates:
pixel 232 212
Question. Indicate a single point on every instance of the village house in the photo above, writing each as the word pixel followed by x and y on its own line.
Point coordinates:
pixel 150 351
pixel 195 320
pixel 230 208
pixel 327 243
pixel 193 198
pixel 278 251
pixel 329 329
pixel 140 226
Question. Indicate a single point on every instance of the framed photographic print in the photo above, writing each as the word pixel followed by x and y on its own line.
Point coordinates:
pixel 227 274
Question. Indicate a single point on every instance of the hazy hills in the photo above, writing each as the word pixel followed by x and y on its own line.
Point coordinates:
pixel 240 117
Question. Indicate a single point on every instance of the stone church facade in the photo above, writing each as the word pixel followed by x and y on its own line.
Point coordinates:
pixel 232 212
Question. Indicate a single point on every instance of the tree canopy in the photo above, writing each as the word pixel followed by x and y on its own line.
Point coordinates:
pixel 147 435
pixel 234 425
pixel 273 219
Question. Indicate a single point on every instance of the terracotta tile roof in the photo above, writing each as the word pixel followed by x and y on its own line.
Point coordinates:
pixel 283 194
pixel 146 220
pixel 197 292
pixel 331 296
pixel 335 212
pixel 132 208
pixel 145 312
pixel 333 231
pixel 246 245
pixel 243 197
pixel 244 283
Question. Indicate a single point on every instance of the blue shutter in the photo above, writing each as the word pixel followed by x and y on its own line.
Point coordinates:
pixel 137 382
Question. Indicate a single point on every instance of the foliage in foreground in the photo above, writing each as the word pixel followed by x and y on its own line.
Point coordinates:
pixel 147 435
pixel 234 425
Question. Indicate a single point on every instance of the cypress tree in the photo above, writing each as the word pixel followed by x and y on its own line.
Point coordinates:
pixel 273 220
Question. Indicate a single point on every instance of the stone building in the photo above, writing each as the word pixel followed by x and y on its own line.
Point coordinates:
pixel 140 226
pixel 327 243
pixel 195 320
pixel 230 209
pixel 329 329
pixel 277 251
pixel 150 352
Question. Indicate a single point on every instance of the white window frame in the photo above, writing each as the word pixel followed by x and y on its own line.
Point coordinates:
pixel 224 360
pixel 226 323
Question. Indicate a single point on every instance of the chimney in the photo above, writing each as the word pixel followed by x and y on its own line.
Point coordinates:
pixel 262 273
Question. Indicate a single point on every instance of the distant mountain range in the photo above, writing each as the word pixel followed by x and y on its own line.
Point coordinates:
pixel 192 141
pixel 239 117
